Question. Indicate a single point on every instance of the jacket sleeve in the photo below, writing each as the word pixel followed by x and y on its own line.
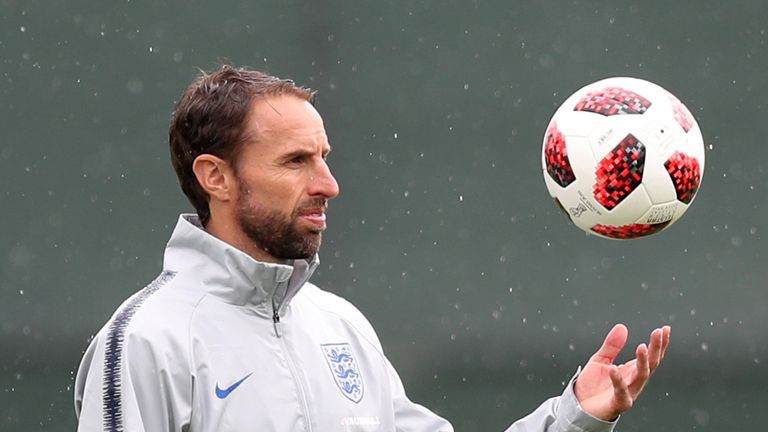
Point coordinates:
pixel 561 414
pixel 410 416
pixel 127 385
pixel 557 414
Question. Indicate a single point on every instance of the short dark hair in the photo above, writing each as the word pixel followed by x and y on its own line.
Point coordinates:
pixel 210 118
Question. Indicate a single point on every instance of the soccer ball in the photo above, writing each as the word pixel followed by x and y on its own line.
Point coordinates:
pixel 623 158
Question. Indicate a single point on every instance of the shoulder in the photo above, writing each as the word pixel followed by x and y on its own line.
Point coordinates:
pixel 333 306
pixel 140 357
pixel 148 331
pixel 331 302
pixel 157 315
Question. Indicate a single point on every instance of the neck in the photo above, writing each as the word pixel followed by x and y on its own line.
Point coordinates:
pixel 231 233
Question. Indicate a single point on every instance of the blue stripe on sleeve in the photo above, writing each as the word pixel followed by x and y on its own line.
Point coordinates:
pixel 112 402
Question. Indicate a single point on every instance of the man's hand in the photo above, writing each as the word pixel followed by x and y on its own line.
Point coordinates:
pixel 606 390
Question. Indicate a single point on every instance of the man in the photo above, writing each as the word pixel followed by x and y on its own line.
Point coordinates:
pixel 232 336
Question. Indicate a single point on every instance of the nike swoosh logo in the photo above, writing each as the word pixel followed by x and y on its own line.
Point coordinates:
pixel 223 393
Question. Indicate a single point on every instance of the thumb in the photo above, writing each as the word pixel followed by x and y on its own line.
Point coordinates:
pixel 612 345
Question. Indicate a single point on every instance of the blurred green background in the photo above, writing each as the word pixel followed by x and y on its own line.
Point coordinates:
pixel 486 298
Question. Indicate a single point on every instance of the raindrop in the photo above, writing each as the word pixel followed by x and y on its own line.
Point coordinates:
pixel 20 256
pixel 700 416
pixel 135 86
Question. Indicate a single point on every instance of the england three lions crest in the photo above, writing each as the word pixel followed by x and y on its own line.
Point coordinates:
pixel 345 370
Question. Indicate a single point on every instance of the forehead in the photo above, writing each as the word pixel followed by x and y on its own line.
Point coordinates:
pixel 282 117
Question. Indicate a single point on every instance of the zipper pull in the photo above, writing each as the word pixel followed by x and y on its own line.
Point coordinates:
pixel 276 322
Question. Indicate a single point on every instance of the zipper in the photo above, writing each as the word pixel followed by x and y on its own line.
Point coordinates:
pixel 297 377
pixel 276 322
pixel 281 287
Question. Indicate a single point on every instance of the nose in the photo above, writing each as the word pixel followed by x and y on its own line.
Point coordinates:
pixel 323 183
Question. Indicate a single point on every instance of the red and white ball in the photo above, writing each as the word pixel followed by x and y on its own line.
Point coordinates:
pixel 623 158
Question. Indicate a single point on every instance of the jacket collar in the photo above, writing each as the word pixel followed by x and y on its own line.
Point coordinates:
pixel 231 274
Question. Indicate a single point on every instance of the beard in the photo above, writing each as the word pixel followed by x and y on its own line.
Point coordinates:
pixel 274 232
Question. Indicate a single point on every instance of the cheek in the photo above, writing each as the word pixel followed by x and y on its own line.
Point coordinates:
pixel 275 197
pixel 281 191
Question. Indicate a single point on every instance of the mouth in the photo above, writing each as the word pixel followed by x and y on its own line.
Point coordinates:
pixel 315 216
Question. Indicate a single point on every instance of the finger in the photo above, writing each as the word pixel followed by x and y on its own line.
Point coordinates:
pixel 621 392
pixel 654 349
pixel 642 370
pixel 665 338
pixel 612 345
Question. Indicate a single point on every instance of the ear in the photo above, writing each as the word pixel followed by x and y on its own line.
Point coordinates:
pixel 215 176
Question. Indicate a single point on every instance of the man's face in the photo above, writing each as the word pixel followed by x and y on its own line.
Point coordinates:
pixel 284 181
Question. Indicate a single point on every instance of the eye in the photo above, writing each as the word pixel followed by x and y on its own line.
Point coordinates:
pixel 296 160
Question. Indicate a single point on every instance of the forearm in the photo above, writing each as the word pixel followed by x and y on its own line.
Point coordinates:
pixel 561 414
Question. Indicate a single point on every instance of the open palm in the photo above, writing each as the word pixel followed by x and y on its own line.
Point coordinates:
pixel 604 389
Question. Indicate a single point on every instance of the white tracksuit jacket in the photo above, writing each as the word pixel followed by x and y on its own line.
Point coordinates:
pixel 220 342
